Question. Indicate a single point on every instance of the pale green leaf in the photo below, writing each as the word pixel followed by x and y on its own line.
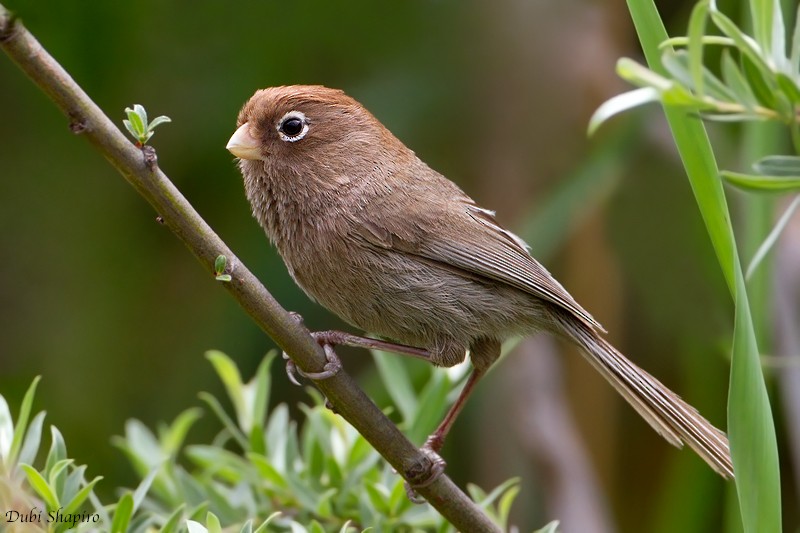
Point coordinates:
pixel 761 183
pixel 622 102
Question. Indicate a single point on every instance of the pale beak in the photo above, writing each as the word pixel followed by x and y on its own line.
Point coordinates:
pixel 243 145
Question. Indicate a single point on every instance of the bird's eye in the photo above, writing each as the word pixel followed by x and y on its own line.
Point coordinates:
pixel 293 126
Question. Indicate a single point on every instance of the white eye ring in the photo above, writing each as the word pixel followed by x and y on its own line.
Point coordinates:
pixel 291 119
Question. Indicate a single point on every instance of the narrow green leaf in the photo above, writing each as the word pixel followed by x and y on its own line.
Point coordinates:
pixel 136 122
pixel 173 437
pixel 75 504
pixel 789 88
pixel 30 445
pixel 158 121
pixel 679 64
pixel 794 55
pixel 22 421
pixel 552 527
pixel 131 129
pixel 171 525
pixel 39 484
pixel 697 26
pixel 54 476
pixel 706 40
pixel 144 487
pixel 122 514
pixel 58 450
pixel 227 421
pixel 778 165
pixel 745 44
pixel 622 102
pixel 638 74
pixel 751 427
pixel 263 527
pixel 736 81
pixel 142 114
pixel 760 183
pixel 504 505
pixel 229 374
pixel 262 384
pixel 778 34
pixel 772 238
pixel 212 523
pixel 267 471
pixel 394 377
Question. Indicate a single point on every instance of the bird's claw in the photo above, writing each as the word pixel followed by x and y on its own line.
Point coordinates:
pixel 332 367
pixel 423 475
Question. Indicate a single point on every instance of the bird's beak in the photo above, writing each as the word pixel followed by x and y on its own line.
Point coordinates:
pixel 242 144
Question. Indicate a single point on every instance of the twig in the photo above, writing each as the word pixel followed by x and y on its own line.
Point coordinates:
pixel 149 181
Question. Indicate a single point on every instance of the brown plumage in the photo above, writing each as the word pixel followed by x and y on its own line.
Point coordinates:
pixel 396 249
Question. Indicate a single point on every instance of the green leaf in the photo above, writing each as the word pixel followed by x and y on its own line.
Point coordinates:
pixel 394 377
pixel 267 471
pixel 40 485
pixel 58 450
pixel 122 514
pixel 263 527
pixel 75 504
pixel 219 264
pixel 172 438
pixel 697 26
pixel 772 238
pixel 158 121
pixel 794 55
pixel 622 102
pixel 778 165
pixel 229 374
pixel 705 39
pixel 789 88
pixel 752 432
pixel 142 114
pixel 552 527
pixel 679 63
pixel 212 523
pixel 30 445
pixel 22 422
pixel 171 525
pixel 737 82
pixel 136 123
pixel 759 183
pixel 224 278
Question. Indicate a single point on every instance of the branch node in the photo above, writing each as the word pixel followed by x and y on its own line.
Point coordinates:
pixel 77 125
pixel 9 25
pixel 150 157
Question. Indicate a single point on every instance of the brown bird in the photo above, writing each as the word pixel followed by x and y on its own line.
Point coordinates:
pixel 396 249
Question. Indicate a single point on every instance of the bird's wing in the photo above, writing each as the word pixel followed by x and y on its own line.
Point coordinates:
pixel 486 250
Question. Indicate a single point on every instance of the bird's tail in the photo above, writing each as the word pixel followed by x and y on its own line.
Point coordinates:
pixel 673 419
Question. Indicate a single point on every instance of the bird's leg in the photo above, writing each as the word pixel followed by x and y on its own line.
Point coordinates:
pixel 435 442
pixel 331 338
pixel 436 439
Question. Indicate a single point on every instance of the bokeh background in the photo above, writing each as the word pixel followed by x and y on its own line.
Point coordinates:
pixel 115 315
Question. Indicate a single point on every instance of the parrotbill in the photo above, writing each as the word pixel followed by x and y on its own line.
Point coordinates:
pixel 393 247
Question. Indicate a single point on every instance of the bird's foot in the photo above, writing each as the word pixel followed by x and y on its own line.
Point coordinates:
pixel 332 365
pixel 423 473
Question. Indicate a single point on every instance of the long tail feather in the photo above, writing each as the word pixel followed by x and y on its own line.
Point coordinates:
pixel 674 419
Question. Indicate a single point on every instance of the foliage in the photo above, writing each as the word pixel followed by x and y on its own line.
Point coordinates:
pixel 759 81
pixel 261 473
pixel 138 126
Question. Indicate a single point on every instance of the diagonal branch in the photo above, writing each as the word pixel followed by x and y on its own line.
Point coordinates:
pixel 139 169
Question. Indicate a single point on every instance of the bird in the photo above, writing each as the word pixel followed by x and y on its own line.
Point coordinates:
pixel 394 248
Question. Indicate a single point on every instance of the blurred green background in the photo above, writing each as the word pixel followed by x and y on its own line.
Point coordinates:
pixel 113 312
